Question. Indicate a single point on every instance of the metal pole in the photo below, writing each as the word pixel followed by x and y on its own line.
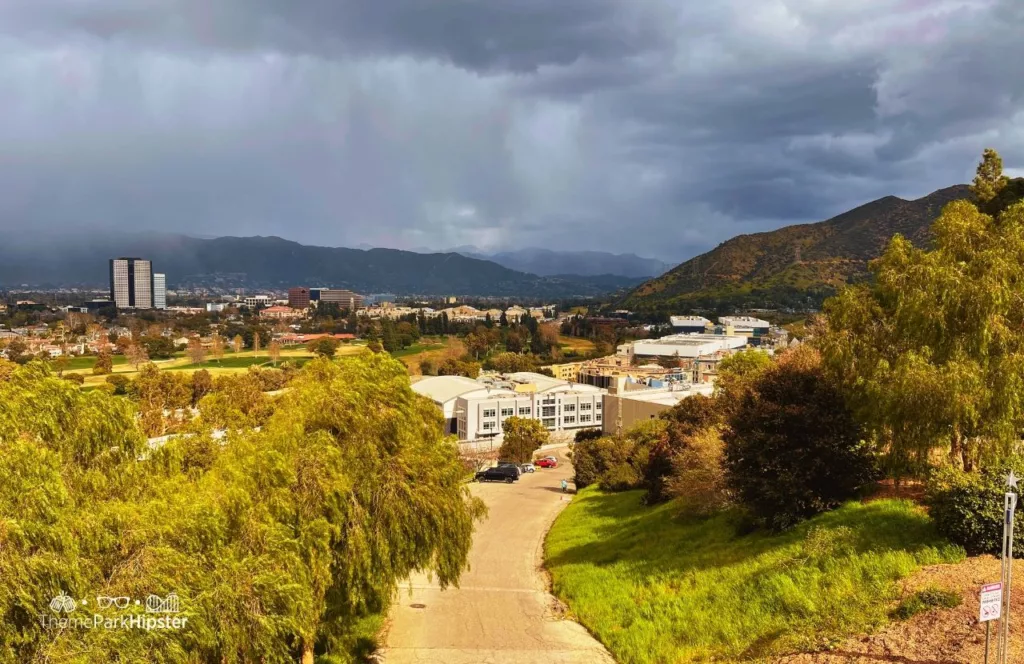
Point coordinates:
pixel 1012 504
pixel 988 634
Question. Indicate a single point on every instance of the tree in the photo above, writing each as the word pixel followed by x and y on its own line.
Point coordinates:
pixel 522 437
pixel 989 180
pixel 196 351
pixel 931 353
pixel 792 447
pixel 324 347
pixel 510 362
pixel 255 344
pixel 202 384
pixel 136 354
pixel 236 344
pixel 688 420
pixel 104 363
pixel 162 397
pixel 157 348
pixel 217 346
pixel 17 352
pixel 274 351
pixel 288 519
pixel 453 367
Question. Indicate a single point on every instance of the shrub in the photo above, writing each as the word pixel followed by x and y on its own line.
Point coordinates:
pixel 793 448
pixel 74 378
pixel 684 420
pixel 616 463
pixel 119 382
pixel 698 478
pixel 822 542
pixel 967 508
pixel 926 600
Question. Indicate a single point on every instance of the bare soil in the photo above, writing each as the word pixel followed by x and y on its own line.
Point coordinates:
pixel 938 636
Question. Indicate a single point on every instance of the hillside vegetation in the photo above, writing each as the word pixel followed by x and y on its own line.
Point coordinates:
pixel 795 265
pixel 656 587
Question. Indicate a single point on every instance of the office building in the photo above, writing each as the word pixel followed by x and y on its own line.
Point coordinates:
pixel 298 297
pixel 159 291
pixel 131 283
pixel 627 404
pixel 477 409
pixel 345 299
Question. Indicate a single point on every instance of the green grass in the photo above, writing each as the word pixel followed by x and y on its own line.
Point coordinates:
pixel 926 600
pixel 657 587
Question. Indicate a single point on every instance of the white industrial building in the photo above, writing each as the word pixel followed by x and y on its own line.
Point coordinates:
pixel 443 391
pixel 687 324
pixel 686 346
pixel 745 325
pixel 476 409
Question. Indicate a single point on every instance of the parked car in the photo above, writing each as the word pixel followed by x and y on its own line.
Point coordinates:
pixel 508 474
pixel 528 468
pixel 547 462
pixel 511 464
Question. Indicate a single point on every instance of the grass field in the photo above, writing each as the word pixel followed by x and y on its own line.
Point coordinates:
pixel 231 362
pixel 436 350
pixel 657 588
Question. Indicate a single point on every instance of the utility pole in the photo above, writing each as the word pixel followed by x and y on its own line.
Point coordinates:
pixel 1009 505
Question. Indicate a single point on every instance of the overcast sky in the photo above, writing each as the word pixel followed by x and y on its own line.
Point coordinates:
pixel 661 127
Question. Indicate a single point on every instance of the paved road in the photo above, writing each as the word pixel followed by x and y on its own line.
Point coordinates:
pixel 502 613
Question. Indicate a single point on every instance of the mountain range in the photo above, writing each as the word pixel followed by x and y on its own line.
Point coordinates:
pixel 273 262
pixel 546 262
pixel 794 266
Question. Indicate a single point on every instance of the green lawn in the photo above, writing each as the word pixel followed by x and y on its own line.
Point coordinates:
pixel 416 348
pixel 658 588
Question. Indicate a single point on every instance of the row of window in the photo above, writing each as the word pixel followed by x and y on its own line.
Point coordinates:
pixel 546 411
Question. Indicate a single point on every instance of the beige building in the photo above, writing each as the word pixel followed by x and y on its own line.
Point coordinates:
pixel 624 408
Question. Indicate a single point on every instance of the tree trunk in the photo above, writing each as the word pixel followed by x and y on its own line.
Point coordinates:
pixel 307 652
pixel 956 451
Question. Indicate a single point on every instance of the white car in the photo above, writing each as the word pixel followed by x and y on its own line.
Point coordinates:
pixel 527 468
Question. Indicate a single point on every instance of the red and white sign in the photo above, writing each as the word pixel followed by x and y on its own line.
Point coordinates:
pixel 991 602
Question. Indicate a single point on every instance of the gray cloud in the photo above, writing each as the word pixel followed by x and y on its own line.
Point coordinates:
pixel 658 127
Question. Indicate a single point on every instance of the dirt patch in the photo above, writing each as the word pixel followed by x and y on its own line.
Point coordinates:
pixel 943 635
pixel 454 349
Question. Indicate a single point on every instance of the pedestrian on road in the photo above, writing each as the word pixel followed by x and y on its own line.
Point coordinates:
pixel 565 486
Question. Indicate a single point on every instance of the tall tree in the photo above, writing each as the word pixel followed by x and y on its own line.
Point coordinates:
pixel 931 354
pixel 136 354
pixel 196 351
pixel 274 351
pixel 236 344
pixel 522 437
pixel 217 346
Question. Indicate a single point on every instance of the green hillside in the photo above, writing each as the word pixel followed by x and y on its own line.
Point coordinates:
pixel 795 265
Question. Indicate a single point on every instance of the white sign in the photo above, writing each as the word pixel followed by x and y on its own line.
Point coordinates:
pixel 991 602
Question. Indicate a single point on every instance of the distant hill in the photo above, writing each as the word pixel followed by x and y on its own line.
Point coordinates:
pixel 546 262
pixel 272 262
pixel 795 265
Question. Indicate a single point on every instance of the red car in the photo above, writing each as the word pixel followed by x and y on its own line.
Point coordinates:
pixel 546 462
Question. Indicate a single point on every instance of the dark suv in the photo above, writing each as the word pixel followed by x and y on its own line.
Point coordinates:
pixel 507 474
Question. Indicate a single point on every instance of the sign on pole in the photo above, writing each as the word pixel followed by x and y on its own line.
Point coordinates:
pixel 991 602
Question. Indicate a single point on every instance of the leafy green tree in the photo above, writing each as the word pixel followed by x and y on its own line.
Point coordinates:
pixel 993 191
pixel 453 367
pixel 202 384
pixel 324 347
pixel 522 438
pixel 687 420
pixel 276 541
pixel 17 351
pixel 157 347
pixel 931 354
pixel 792 447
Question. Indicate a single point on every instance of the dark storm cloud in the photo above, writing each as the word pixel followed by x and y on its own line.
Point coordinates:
pixel 660 127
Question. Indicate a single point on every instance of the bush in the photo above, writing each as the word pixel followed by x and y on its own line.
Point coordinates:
pixel 926 600
pixel 688 418
pixel 698 477
pixel 967 508
pixel 616 463
pixel 119 382
pixel 74 378
pixel 793 448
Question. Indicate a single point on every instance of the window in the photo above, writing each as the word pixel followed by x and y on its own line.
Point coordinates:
pixel 585 406
pixel 488 426
pixel 508 412
pixel 584 418
pixel 597 418
pixel 548 400
pixel 490 412
pixel 548 422
pixel 524 410
pixel 547 411
pixel 597 406
pixel 569 408
pixel 570 419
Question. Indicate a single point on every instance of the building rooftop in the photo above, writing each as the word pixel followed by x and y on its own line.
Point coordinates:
pixel 445 388
pixel 666 396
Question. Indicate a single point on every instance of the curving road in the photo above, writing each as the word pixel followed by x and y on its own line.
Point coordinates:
pixel 502 612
